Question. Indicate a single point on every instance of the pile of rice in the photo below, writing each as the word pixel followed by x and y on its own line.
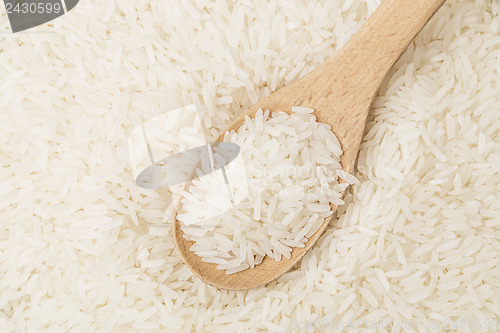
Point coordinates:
pixel 292 164
pixel 83 248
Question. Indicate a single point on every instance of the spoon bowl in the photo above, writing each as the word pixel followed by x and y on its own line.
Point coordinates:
pixel 340 91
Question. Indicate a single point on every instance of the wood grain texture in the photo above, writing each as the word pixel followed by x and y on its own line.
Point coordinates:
pixel 341 91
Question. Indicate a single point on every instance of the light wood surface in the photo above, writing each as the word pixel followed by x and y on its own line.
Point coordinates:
pixel 341 91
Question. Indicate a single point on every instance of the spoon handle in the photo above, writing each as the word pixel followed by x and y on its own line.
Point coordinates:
pixel 374 49
pixel 342 89
pixel 381 41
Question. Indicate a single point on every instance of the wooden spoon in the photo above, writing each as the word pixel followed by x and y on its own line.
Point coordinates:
pixel 340 91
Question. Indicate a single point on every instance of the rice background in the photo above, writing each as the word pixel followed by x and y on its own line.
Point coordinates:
pixel 83 249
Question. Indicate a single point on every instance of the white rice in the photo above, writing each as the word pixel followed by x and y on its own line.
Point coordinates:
pixel 283 207
pixel 83 249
